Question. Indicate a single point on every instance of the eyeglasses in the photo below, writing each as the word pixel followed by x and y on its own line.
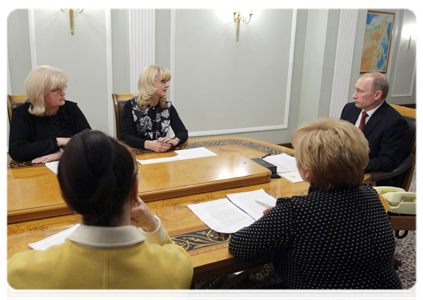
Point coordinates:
pixel 59 90
pixel 163 81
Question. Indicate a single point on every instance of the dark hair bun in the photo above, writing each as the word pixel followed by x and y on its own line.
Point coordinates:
pixel 95 174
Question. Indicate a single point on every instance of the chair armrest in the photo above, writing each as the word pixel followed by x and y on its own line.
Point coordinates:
pixel 403 166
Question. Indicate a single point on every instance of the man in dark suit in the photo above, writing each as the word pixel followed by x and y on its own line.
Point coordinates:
pixel 384 127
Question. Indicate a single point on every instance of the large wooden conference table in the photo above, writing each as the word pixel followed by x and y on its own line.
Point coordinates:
pixel 207 248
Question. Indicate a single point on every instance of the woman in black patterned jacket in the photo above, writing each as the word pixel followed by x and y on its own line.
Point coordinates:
pixel 336 237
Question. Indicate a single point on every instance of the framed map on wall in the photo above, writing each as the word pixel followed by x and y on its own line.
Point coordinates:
pixel 377 41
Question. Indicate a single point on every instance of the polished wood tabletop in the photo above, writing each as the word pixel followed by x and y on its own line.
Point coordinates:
pixel 207 248
pixel 171 179
pixel 193 176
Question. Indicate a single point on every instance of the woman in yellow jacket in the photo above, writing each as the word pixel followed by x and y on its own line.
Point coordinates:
pixel 121 244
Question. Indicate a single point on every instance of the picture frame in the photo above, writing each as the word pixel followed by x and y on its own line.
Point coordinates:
pixel 377 41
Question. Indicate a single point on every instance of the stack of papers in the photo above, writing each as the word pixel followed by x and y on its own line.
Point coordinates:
pixel 233 213
pixel 286 166
pixel 181 155
pixel 57 239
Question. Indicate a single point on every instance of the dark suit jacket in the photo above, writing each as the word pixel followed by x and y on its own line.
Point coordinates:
pixel 386 132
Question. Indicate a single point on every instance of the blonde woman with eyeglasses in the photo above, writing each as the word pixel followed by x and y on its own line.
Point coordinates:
pixel 43 125
pixel 148 116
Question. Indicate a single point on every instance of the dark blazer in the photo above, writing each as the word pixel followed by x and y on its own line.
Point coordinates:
pixel 32 136
pixel 386 132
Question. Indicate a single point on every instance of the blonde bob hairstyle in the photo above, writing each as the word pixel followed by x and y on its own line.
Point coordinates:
pixel 333 151
pixel 147 85
pixel 40 80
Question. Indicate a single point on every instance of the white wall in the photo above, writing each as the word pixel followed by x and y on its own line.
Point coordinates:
pixel 220 86
pixel 81 56
pixel 313 65
pixel 19 56
pixel 403 80
pixel 224 86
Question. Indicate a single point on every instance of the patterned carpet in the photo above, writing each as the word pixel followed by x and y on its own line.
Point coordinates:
pixel 405 249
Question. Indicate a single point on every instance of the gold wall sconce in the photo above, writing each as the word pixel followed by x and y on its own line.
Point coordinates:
pixel 71 10
pixel 409 41
pixel 409 34
pixel 238 19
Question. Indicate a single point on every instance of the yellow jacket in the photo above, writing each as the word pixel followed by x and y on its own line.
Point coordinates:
pixel 104 258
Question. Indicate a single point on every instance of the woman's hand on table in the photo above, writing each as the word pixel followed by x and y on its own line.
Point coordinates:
pixel 157 146
pixel 47 158
pixel 172 142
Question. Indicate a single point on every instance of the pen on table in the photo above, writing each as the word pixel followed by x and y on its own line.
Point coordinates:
pixel 264 204
pixel 265 155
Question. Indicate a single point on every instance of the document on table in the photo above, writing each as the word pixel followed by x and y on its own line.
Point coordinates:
pixel 234 212
pixel 194 153
pixel 158 160
pixel 221 215
pixel 286 166
pixel 283 162
pixel 181 155
pixel 247 201
pixel 57 239
pixel 53 166
pixel 292 176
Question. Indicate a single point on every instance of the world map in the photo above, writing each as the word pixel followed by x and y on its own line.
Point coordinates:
pixel 377 40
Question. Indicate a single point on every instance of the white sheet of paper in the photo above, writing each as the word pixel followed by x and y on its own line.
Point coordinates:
pixel 181 155
pixel 292 176
pixel 283 162
pixel 194 153
pixel 57 239
pixel 53 166
pixel 221 215
pixel 246 201
pixel 158 160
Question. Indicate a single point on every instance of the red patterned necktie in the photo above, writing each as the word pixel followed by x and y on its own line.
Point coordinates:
pixel 364 115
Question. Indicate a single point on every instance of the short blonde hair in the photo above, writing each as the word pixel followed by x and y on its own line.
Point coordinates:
pixel 147 85
pixel 40 80
pixel 335 153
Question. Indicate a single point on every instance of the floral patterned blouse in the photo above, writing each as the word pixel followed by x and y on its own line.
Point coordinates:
pixel 138 125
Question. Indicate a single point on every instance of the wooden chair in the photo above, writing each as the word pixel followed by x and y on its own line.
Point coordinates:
pixel 407 166
pixel 119 101
pixel 14 101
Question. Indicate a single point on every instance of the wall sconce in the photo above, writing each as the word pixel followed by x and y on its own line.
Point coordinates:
pixel 409 33
pixel 71 10
pixel 409 41
pixel 237 20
